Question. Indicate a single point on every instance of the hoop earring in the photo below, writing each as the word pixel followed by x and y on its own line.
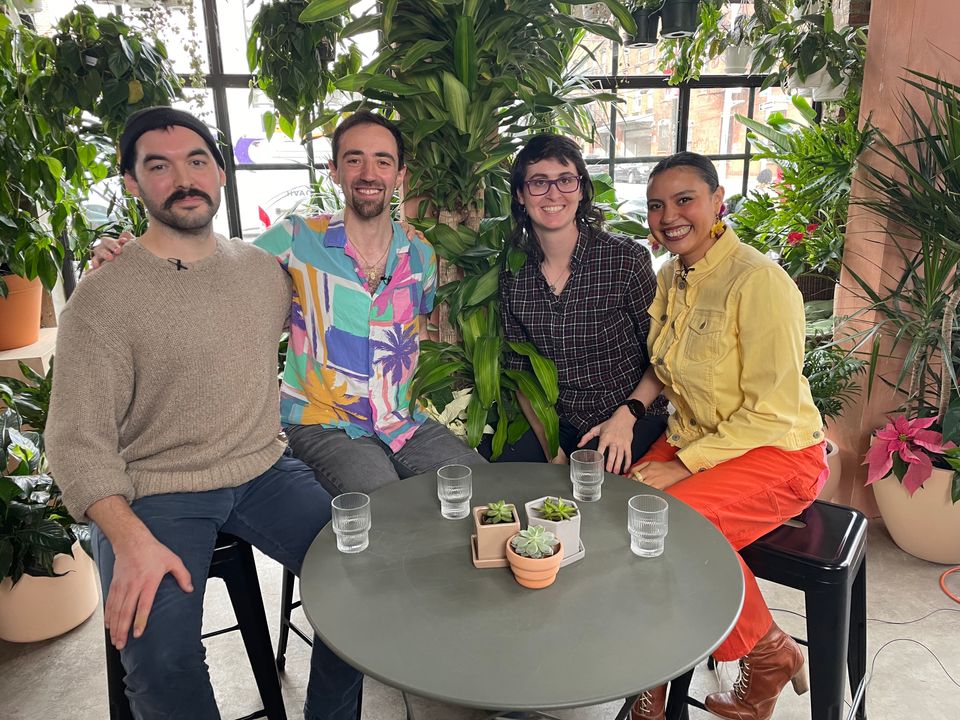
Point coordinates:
pixel 717 229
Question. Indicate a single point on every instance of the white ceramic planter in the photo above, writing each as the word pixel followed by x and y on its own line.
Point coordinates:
pixel 736 59
pixel 926 525
pixel 37 608
pixel 568 531
pixel 831 90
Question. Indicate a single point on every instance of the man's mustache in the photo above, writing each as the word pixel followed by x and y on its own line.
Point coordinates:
pixel 184 194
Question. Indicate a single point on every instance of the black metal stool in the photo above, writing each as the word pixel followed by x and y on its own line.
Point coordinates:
pixel 233 563
pixel 287 606
pixel 823 553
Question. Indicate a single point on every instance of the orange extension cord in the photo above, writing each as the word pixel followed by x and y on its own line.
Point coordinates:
pixel 943 583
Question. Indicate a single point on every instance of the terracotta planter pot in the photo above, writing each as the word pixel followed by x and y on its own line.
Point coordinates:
pixel 926 525
pixel 534 573
pixel 567 531
pixel 836 472
pixel 20 312
pixel 491 538
pixel 38 608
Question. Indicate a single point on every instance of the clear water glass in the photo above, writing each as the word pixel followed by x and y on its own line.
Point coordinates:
pixel 351 521
pixel 647 524
pixel 586 474
pixel 455 488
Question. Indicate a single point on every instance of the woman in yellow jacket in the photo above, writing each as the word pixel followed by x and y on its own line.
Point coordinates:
pixel 745 445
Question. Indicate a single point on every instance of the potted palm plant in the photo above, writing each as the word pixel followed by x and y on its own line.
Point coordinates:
pixel 912 462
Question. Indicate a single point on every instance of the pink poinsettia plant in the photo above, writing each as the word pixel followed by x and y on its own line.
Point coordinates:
pixel 908 448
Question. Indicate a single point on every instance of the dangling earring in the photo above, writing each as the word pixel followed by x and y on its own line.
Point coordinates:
pixel 716 230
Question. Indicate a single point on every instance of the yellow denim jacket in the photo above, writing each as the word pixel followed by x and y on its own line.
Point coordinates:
pixel 727 340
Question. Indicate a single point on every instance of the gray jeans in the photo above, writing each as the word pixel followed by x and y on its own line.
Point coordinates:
pixel 345 464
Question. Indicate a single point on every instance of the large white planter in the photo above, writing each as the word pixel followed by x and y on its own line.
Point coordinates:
pixel 736 59
pixel 38 608
pixel 831 90
pixel 926 525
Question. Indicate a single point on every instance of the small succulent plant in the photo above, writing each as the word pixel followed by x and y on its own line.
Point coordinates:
pixel 535 542
pixel 556 509
pixel 498 512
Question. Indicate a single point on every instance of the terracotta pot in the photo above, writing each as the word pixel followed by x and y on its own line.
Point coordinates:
pixel 37 608
pixel 534 573
pixel 20 312
pixel 926 525
pixel 832 484
pixel 491 538
pixel 567 531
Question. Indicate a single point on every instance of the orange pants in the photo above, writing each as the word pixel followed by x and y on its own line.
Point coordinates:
pixel 745 498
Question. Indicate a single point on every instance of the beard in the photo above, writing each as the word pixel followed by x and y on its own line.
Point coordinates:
pixel 367 208
pixel 195 221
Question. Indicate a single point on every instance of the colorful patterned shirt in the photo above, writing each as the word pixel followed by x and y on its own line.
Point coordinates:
pixel 351 356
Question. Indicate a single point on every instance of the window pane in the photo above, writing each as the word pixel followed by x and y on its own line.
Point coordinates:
pixel 631 185
pixel 647 122
pixel 182 30
pixel 734 60
pixel 774 100
pixel 275 192
pixel 250 144
pixel 713 127
pixel 731 175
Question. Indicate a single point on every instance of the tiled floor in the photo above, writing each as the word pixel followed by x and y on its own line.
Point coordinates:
pixel 64 678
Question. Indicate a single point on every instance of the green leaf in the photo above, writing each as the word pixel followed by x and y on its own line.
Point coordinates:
pixel 545 411
pixel 324 10
pixel 420 50
pixel 457 100
pixel 499 436
pixel 486 369
pixel 544 368
pixel 476 420
pixel 269 123
pixel 465 53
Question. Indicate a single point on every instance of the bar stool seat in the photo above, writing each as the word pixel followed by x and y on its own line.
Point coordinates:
pixel 233 563
pixel 823 553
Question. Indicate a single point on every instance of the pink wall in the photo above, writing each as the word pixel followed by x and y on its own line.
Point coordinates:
pixel 916 34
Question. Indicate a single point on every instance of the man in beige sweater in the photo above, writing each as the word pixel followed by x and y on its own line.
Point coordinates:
pixel 164 418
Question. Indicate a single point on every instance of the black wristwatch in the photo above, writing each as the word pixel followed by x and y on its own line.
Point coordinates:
pixel 636 407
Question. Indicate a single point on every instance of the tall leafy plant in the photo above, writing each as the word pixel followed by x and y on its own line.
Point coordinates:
pixel 915 187
pixel 63 103
pixel 806 221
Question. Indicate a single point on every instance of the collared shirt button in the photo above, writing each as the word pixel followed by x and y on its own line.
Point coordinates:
pixel 682 285
pixel 693 421
pixel 816 434
pixel 663 317
pixel 702 470
pixel 674 437
pixel 659 361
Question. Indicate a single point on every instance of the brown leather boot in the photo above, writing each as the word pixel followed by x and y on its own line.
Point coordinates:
pixel 774 660
pixel 650 705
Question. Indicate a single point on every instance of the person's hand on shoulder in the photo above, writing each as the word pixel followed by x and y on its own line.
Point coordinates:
pixel 412 232
pixel 107 248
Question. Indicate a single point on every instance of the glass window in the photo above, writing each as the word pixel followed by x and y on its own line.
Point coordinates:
pixel 647 122
pixel 268 195
pixel 713 128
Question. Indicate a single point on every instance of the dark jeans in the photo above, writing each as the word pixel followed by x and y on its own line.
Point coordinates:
pixel 279 512
pixel 527 448
pixel 345 464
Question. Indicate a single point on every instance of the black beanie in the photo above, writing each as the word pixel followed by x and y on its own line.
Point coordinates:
pixel 152 118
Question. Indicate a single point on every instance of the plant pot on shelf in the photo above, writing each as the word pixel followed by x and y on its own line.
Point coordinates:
pixel 679 18
pixel 648 22
pixel 736 59
pixel 38 608
pixel 832 484
pixel 926 525
pixel 534 573
pixel 567 531
pixel 811 82
pixel 20 312
pixel 489 543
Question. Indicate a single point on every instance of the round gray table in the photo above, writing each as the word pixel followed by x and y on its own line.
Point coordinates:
pixel 413 611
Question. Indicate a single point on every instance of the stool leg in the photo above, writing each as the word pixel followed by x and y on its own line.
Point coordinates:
pixel 116 689
pixel 286 607
pixel 244 589
pixel 857 650
pixel 677 698
pixel 828 627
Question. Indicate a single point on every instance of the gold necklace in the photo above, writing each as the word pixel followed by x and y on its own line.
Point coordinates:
pixel 372 271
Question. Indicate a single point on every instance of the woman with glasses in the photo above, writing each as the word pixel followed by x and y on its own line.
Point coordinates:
pixel 581 298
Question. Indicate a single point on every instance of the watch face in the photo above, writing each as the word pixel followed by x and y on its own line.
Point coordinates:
pixel 637 408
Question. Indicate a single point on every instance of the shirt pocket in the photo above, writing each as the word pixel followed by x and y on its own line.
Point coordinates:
pixel 702 336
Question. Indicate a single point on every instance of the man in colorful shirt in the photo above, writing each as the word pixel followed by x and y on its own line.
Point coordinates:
pixel 362 293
